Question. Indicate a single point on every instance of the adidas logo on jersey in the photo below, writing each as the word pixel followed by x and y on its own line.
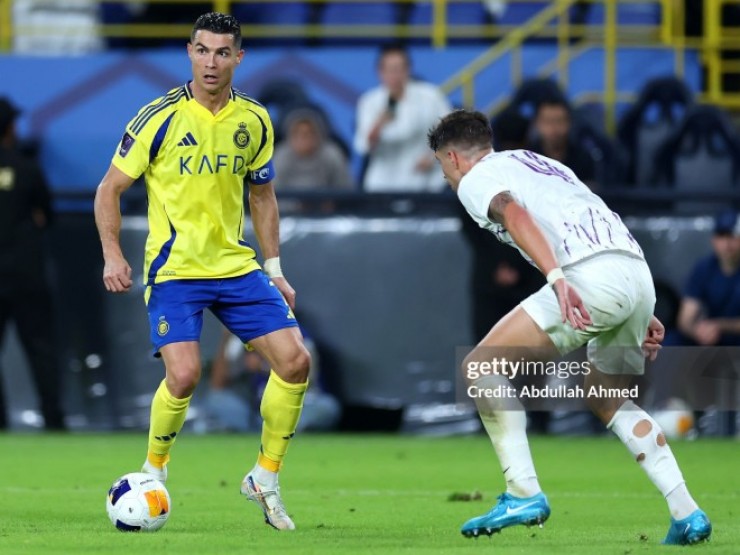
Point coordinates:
pixel 188 140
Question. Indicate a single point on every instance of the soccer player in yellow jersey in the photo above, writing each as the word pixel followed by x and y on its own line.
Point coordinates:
pixel 196 146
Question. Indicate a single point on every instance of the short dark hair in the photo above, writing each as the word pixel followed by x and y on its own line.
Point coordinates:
pixel 219 23
pixel 393 48
pixel 463 129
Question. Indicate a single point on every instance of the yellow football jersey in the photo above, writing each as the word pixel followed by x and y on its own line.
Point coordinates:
pixel 195 164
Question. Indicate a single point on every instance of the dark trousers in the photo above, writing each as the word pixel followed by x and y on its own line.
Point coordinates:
pixel 31 312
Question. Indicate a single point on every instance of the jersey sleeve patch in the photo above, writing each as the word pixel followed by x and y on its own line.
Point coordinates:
pixel 127 141
pixel 263 175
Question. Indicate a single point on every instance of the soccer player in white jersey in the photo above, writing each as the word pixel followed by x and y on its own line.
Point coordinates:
pixel 599 292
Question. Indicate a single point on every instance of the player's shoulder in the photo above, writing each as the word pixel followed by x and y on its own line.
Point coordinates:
pixel 247 103
pixel 489 173
pixel 159 109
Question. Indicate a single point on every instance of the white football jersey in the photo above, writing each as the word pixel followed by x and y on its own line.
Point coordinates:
pixel 575 221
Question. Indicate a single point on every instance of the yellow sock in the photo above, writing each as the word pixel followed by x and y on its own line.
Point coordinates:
pixel 281 408
pixel 168 416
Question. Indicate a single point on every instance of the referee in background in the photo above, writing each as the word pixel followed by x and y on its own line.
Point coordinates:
pixel 25 296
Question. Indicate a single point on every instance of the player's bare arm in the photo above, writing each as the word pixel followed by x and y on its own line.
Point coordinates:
pixel 688 316
pixel 727 325
pixel 527 234
pixel 266 222
pixel 693 325
pixel 116 272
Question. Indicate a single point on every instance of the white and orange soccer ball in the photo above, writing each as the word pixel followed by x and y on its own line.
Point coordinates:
pixel 138 502
pixel 676 419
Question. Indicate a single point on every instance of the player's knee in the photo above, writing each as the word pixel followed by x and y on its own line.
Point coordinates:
pixel 182 379
pixel 295 369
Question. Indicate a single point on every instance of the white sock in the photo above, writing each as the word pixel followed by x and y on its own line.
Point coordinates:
pixel 508 432
pixel 264 477
pixel 646 441
pixel 680 502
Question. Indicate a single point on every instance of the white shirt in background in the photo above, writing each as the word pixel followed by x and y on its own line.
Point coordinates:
pixel 403 141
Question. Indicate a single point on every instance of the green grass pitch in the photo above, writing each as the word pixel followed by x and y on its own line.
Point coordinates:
pixel 354 494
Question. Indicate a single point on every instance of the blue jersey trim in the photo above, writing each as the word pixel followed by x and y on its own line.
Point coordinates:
pixel 148 109
pixel 239 233
pixel 164 254
pixel 243 96
pixel 152 111
pixel 159 137
pixel 263 141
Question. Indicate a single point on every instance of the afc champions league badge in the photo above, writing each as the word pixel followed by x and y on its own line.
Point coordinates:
pixel 162 327
pixel 241 136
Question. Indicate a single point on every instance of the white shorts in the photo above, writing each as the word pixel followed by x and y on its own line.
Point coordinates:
pixel 618 292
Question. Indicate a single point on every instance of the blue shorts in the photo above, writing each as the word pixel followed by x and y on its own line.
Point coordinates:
pixel 249 306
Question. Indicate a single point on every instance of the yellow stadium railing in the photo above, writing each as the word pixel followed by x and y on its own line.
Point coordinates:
pixel 720 47
pixel 512 42
pixel 6 25
pixel 552 22
pixel 438 31
pixel 572 42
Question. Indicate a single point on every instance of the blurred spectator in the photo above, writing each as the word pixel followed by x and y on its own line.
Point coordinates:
pixel 238 379
pixel 710 307
pixel 231 403
pixel 392 123
pixel 281 96
pixel 61 28
pixel 553 138
pixel 510 130
pixel 25 296
pixel 307 159
pixel 709 316
pixel 533 92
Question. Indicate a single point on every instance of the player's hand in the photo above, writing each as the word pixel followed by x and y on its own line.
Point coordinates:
pixel 572 309
pixel 653 338
pixel 117 275
pixel 287 291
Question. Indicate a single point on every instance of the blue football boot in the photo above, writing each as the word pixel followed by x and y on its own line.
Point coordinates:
pixel 694 528
pixel 509 511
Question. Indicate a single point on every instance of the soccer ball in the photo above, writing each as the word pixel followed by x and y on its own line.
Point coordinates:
pixel 676 419
pixel 138 502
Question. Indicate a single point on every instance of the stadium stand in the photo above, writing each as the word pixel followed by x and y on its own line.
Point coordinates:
pixel 656 113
